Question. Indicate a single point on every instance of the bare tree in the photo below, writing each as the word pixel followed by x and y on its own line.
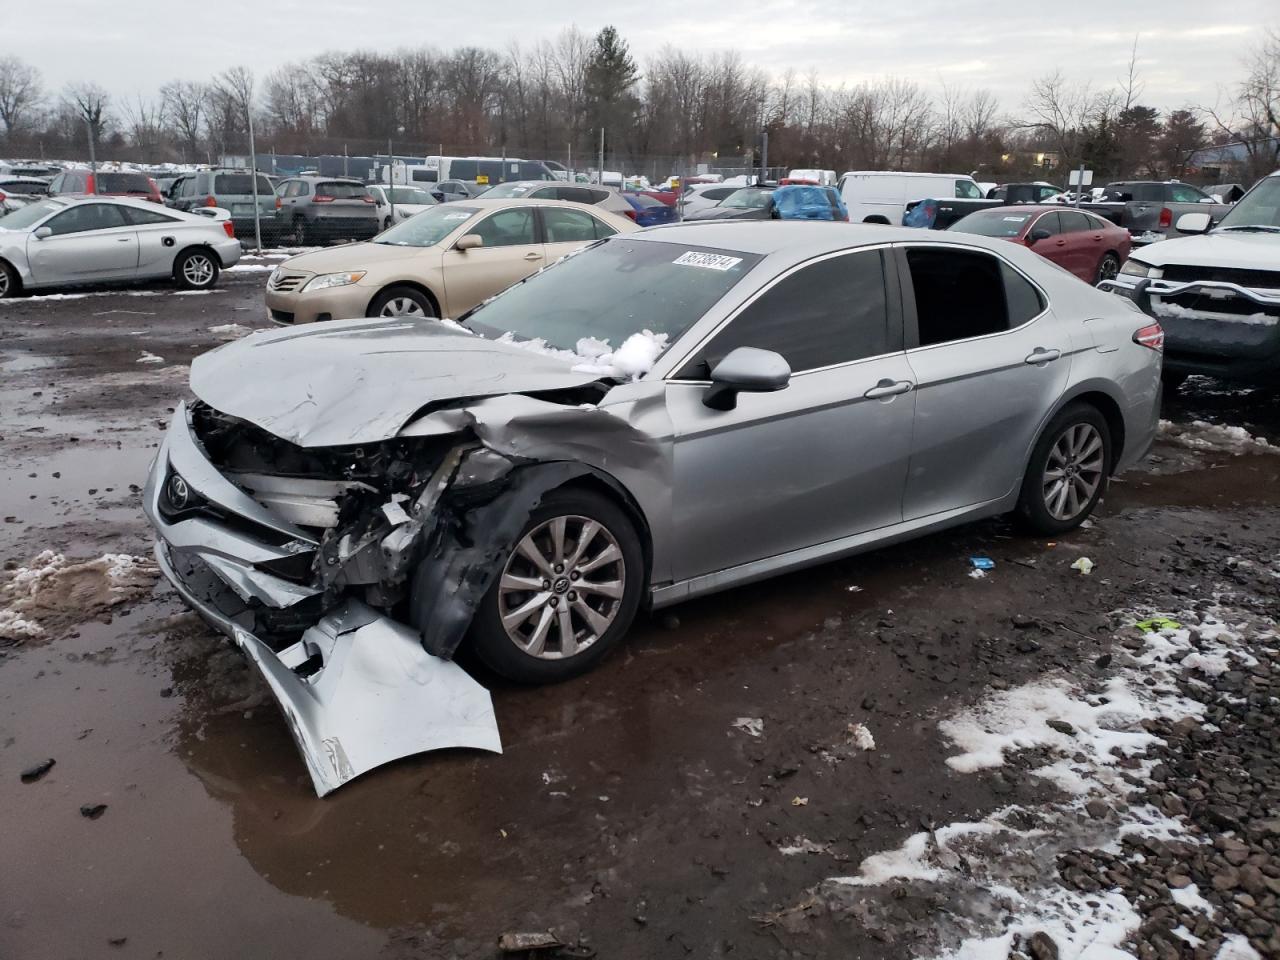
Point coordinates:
pixel 1131 84
pixel 1253 118
pixel 185 104
pixel 89 101
pixel 1062 111
pixel 20 92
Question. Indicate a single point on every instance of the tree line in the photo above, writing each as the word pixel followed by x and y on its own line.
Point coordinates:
pixel 550 99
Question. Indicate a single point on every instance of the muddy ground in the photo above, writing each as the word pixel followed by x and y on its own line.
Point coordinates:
pixel 627 812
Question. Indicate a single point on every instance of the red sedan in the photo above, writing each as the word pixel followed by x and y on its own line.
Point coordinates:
pixel 1082 243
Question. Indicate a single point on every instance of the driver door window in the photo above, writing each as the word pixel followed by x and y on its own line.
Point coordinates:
pixel 87 216
pixel 510 252
pixel 507 228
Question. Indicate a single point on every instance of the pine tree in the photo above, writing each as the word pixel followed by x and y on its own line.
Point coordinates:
pixel 610 86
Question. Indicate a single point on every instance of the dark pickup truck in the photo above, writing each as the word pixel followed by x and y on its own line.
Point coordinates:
pixel 1148 209
pixel 943 212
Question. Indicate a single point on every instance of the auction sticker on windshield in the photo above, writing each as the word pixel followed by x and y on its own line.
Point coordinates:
pixel 708 261
pixel 455 216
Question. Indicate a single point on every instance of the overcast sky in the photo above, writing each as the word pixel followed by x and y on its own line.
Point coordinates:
pixel 1186 57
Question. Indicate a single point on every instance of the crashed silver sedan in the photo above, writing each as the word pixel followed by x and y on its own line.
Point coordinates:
pixel 660 416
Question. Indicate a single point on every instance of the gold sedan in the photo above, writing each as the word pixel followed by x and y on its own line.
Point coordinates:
pixel 440 263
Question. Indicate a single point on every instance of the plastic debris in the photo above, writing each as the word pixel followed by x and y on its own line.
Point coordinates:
pixel 982 563
pixel 799 801
pixel 521 942
pixel 752 726
pixel 1084 565
pixel 977 574
pixel 1156 624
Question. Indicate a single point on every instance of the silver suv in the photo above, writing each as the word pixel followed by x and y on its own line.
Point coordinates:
pixel 231 190
pixel 315 209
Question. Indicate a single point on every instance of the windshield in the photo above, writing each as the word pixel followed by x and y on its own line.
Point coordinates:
pixel 748 198
pixel 613 290
pixel 429 227
pixel 992 223
pixel 1260 207
pixel 24 217
pixel 410 195
pixel 122 183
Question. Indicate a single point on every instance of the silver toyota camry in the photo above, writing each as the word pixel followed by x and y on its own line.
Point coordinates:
pixel 75 241
pixel 662 415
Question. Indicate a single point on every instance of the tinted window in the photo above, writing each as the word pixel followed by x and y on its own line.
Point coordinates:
pixel 1050 222
pixel 507 228
pixel 829 312
pixel 958 294
pixel 87 216
pixel 1022 299
pixel 533 170
pixel 568 226
pixel 240 183
pixel 341 191
pixel 424 176
pixel 123 183
pixel 1074 222
pixel 546 193
pixel 463 169
pixel 141 218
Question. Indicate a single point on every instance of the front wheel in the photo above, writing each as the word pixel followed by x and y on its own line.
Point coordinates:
pixel 1068 472
pixel 402 302
pixel 196 270
pixel 568 591
pixel 10 285
pixel 1108 268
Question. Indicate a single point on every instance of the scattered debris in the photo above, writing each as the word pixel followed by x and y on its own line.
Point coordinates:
pixel 861 737
pixel 1084 565
pixel 1156 624
pixel 37 770
pixel 799 801
pixel 803 845
pixel 982 563
pixel 752 726
pixel 524 942
pixel 149 357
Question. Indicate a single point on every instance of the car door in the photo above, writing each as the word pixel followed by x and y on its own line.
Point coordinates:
pixel 158 240
pixel 90 241
pixel 823 459
pixel 1083 247
pixel 989 360
pixel 564 231
pixel 512 249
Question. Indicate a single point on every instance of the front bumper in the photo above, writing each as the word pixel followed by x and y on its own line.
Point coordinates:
pixel 356 687
pixel 335 303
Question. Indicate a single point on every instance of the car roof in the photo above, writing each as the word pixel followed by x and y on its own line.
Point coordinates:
pixel 142 203
pixel 902 173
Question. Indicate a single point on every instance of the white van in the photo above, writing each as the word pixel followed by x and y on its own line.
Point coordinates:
pixel 823 178
pixel 491 170
pixel 881 196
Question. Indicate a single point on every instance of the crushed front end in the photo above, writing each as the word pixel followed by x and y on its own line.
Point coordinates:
pixel 305 558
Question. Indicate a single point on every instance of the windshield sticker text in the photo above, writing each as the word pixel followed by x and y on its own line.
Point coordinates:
pixel 708 261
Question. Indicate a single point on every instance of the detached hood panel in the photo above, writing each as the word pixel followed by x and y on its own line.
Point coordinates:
pixel 360 381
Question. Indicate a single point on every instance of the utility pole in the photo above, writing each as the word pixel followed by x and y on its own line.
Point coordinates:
pixel 391 176
pixel 602 156
pixel 253 178
pixel 93 159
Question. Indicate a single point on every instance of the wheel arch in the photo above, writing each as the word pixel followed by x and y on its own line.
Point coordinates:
pixel 192 248
pixel 417 285
pixel 876 218
pixel 1105 403
pixel 597 481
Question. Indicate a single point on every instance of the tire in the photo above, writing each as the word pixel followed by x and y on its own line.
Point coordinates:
pixel 402 302
pixel 1076 445
pixel 197 269
pixel 880 220
pixel 386 224
pixel 10 282
pixel 1108 268
pixel 596 633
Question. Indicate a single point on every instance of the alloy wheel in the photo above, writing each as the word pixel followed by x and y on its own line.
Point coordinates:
pixel 4 283
pixel 197 270
pixel 1109 269
pixel 1073 471
pixel 402 307
pixel 562 588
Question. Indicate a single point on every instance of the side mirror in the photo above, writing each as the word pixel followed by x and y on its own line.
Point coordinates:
pixel 1037 235
pixel 1193 223
pixel 43 232
pixel 469 241
pixel 746 369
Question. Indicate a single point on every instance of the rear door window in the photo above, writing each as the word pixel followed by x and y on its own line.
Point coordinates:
pixel 962 294
pixel 829 312
pixel 141 218
pixel 569 226
pixel 1073 222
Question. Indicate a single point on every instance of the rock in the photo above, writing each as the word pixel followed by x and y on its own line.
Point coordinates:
pixel 166 691
pixel 1041 946
pixel 1227 878
pixel 1097 809
pixel 1027 645
pixel 118 941
pixel 1061 726
pixel 93 811
pixel 37 770
pixel 1103 661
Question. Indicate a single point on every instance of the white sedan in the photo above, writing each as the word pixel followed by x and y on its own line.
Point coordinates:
pixel 408 201
pixel 73 241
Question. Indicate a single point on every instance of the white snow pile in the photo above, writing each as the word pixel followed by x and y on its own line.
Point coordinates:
pixel 751 726
pixel 1001 872
pixel 251 268
pixel 230 331
pixel 1172 310
pixel 52 590
pixel 149 357
pixel 1214 438
pixel 632 360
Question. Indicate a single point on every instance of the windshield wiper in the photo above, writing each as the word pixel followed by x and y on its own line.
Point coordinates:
pixel 1254 226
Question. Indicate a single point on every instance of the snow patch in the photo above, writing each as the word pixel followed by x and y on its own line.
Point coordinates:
pixel 149 357
pixel 632 360
pixel 1236 947
pixel 1211 437
pixel 1191 898
pixel 1172 310
pixel 230 331
pixel 54 590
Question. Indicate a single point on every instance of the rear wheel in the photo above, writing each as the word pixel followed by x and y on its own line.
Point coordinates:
pixel 402 302
pixel 196 270
pixel 10 284
pixel 1108 268
pixel 568 591
pixel 1068 472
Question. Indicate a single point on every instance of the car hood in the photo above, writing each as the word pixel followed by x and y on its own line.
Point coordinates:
pixel 352 256
pixel 1245 251
pixel 360 381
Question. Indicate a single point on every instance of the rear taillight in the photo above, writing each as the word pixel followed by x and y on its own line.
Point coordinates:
pixel 210 202
pixel 1166 217
pixel 1 198
pixel 630 213
pixel 229 228
pixel 1151 337
pixel 321 198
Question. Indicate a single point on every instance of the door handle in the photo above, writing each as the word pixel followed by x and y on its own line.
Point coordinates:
pixel 123 239
pixel 533 256
pixel 1062 243
pixel 888 388
pixel 1040 356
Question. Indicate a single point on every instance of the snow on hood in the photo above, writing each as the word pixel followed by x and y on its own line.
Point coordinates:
pixel 1219 248
pixel 360 381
